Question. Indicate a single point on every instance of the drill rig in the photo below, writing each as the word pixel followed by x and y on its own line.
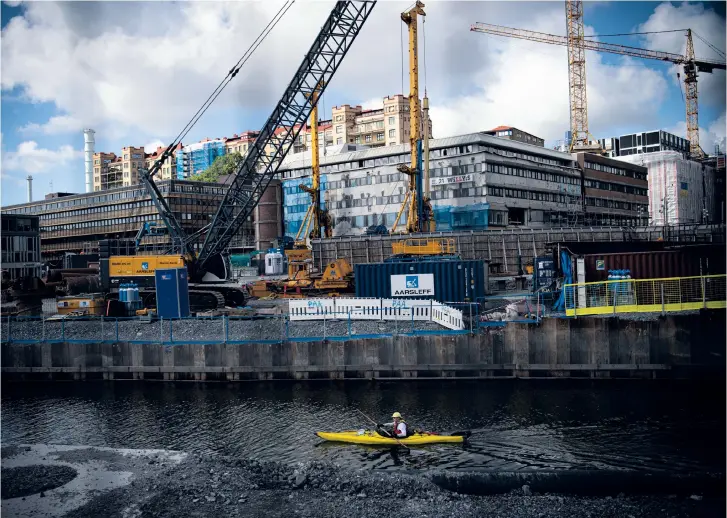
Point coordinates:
pixel 208 266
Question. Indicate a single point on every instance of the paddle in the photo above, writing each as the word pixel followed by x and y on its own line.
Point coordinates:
pixel 377 425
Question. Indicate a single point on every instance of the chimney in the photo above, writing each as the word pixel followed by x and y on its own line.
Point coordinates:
pixel 30 188
pixel 88 150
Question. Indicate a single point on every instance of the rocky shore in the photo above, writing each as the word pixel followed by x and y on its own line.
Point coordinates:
pixel 135 483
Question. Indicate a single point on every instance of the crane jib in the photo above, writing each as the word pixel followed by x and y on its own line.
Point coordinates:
pixel 285 123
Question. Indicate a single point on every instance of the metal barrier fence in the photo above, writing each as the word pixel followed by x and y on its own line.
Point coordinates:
pixel 646 295
pixel 269 329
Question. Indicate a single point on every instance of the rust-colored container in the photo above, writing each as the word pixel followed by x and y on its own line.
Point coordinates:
pixel 683 262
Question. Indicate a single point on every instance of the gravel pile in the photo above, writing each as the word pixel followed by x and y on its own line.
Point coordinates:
pixel 219 486
pixel 205 330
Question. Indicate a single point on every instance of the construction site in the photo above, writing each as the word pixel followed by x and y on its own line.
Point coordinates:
pixel 437 236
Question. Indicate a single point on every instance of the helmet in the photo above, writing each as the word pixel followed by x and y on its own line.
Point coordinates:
pixel 396 414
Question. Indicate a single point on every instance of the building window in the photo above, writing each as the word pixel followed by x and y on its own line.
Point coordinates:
pixel 392 133
pixel 339 129
pixel 391 121
pixel 379 124
pixel 339 118
pixel 357 139
pixel 380 136
pixel 339 140
pixel 368 138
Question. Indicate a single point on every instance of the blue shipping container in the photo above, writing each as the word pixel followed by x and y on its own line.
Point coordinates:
pixel 453 281
pixel 172 293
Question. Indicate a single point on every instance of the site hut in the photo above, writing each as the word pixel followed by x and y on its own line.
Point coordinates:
pixel 477 181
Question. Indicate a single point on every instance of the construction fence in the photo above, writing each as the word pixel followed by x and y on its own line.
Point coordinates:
pixel 646 295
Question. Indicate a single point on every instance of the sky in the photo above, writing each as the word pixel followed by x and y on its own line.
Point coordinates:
pixel 136 72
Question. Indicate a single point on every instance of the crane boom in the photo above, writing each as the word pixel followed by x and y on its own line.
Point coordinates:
pixel 704 65
pixel 691 65
pixel 285 123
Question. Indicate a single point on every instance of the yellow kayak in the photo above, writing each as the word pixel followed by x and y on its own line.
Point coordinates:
pixel 376 439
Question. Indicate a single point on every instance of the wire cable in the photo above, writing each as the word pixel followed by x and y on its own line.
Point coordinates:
pixel 223 84
pixel 632 33
pixel 709 45
pixel 231 74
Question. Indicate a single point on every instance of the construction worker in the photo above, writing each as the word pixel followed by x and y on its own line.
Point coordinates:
pixel 397 428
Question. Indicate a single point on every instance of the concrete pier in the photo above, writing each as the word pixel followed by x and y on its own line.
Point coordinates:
pixel 670 346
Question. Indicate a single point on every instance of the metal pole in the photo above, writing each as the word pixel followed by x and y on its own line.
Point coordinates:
pixel 324 323
pixel 704 295
pixel 349 323
pixel 663 311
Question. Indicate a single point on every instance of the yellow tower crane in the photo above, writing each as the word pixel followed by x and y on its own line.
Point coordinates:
pixel 419 217
pixel 690 63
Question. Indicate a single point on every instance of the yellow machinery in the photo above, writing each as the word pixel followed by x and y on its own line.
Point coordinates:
pixel 424 246
pixel 92 304
pixel 123 266
pixel 419 210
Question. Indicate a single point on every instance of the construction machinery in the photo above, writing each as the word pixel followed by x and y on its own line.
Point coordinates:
pixel 418 207
pixel 577 45
pixel 208 266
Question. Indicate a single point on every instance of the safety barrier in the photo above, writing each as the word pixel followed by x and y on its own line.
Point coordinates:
pixel 377 309
pixel 646 295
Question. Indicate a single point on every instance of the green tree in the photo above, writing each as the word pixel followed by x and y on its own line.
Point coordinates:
pixel 223 165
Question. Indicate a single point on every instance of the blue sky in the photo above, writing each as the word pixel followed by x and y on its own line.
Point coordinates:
pixel 137 72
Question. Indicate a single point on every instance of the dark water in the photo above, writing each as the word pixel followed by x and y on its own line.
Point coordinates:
pixel 677 427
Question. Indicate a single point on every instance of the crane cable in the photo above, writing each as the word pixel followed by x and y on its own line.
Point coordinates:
pixel 232 73
pixel 223 84
pixel 710 45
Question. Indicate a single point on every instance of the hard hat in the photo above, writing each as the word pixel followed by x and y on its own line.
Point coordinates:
pixel 396 414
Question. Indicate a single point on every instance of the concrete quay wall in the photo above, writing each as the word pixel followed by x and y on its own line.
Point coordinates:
pixel 674 346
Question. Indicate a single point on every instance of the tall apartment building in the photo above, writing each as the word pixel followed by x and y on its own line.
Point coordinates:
pixel 168 169
pixel 385 126
pixel 111 171
pixel 477 181
pixel 195 158
pixel 615 192
pixel 511 133
pixel 240 143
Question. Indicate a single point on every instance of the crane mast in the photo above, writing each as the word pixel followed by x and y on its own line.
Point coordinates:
pixel 414 200
pixel 580 136
pixel 691 65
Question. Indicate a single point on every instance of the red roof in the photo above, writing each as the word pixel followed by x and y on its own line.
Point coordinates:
pixel 500 128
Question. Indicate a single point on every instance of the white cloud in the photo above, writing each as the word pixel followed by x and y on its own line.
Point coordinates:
pixel 153 145
pixel 29 158
pixel 705 23
pixel 59 124
pixel 714 134
pixel 13 3
pixel 106 70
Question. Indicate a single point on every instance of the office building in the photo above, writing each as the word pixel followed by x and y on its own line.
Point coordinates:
pixel 615 192
pixel 510 133
pixel 476 181
pixel 20 246
pixel 76 223
pixel 240 143
pixel 644 142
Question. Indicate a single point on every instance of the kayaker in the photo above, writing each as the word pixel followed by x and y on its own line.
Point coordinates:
pixel 397 427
